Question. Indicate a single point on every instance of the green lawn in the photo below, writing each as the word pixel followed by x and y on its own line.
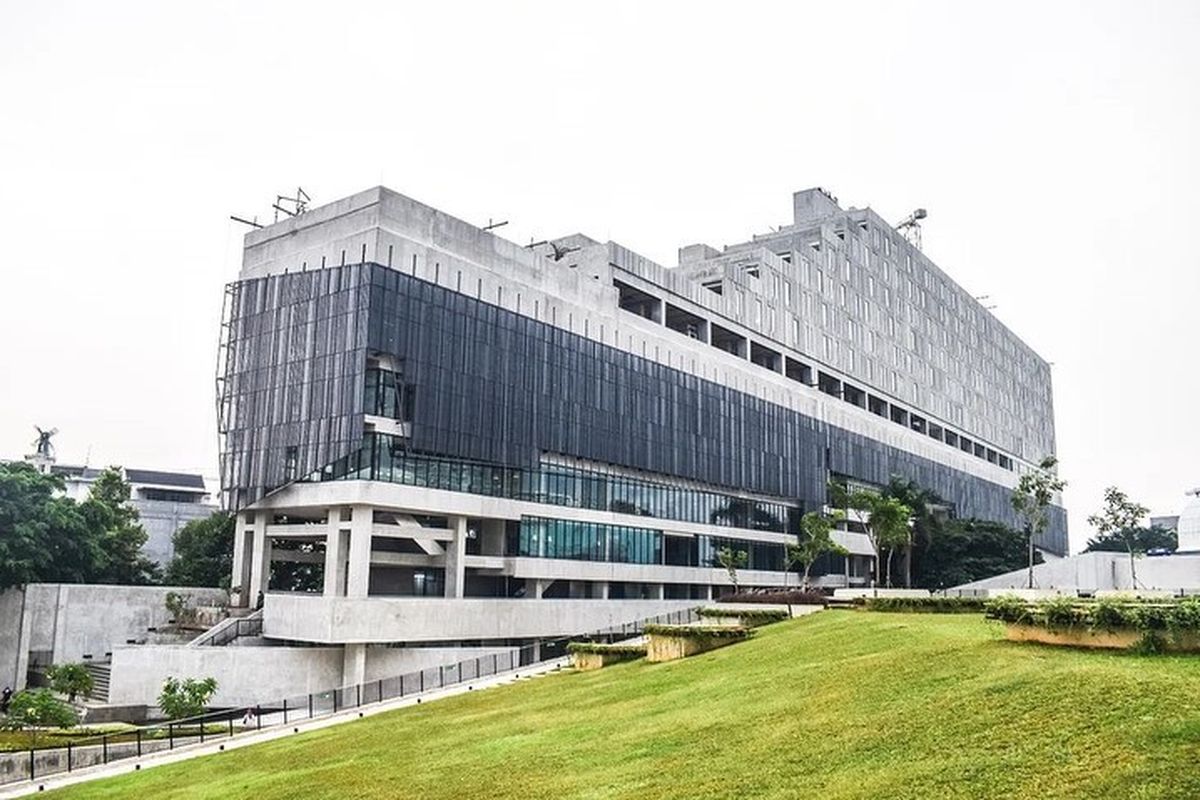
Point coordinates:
pixel 838 705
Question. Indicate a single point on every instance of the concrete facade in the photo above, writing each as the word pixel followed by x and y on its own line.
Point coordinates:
pixel 59 622
pixel 1099 572
pixel 250 675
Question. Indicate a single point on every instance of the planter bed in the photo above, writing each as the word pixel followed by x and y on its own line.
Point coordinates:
pixel 744 617
pixel 1107 624
pixel 587 656
pixel 671 642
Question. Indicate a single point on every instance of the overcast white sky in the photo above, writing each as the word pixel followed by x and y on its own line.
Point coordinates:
pixel 1054 144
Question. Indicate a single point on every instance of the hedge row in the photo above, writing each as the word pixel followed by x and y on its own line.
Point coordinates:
pixel 600 648
pixel 1107 614
pixel 924 605
pixel 749 614
pixel 793 596
pixel 1153 619
pixel 699 631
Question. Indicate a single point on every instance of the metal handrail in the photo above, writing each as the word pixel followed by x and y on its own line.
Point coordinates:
pixel 109 747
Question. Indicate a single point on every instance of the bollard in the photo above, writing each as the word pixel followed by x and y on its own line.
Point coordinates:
pixel 139 742
pixel 171 735
pixel 258 716
pixel 284 713
pixel 104 746
pixel 68 756
pixel 310 705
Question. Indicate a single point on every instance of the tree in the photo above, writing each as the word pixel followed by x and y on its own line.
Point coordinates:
pixel 71 680
pixel 815 540
pixel 1146 540
pixel 1031 500
pixel 180 699
pixel 44 537
pixel 886 520
pixel 732 560
pixel 929 514
pixel 32 711
pixel 959 551
pixel 122 536
pixel 1120 519
pixel 203 552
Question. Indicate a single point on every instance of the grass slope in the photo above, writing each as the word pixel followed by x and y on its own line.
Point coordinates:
pixel 837 705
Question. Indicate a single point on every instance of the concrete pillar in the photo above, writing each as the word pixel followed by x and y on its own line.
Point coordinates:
pixel 358 571
pixel 656 591
pixel 456 555
pixel 260 559
pixel 710 592
pixel 243 555
pixel 354 664
pixel 337 551
pixel 603 587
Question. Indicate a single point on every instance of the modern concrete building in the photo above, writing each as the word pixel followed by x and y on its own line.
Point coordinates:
pixel 470 441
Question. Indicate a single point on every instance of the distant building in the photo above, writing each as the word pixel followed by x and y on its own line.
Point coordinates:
pixel 165 501
pixel 1188 524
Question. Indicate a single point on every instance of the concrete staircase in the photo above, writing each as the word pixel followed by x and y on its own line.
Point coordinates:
pixel 101 672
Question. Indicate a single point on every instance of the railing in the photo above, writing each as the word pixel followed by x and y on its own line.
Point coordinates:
pixel 229 629
pixel 35 762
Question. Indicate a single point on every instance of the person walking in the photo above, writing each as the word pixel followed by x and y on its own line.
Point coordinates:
pixel 5 697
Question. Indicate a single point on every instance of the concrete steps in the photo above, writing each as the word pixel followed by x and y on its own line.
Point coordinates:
pixel 101 673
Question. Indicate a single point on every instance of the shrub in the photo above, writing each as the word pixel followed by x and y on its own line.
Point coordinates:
pixel 1109 615
pixel 601 648
pixel 756 615
pixel 1007 608
pixel 71 680
pixel 35 710
pixel 925 605
pixel 1061 612
pixel 794 596
pixel 186 698
pixel 699 631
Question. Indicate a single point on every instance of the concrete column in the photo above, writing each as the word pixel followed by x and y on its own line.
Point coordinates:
pixel 603 587
pixel 456 555
pixel 656 591
pixel 354 664
pixel 243 555
pixel 358 571
pixel 260 559
pixel 337 551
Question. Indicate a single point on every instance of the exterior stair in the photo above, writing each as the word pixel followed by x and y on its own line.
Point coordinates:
pixel 100 672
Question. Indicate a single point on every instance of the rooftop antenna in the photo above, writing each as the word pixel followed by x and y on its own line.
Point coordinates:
pixel 911 227
pixel 492 225
pixel 295 205
pixel 253 223
pixel 981 298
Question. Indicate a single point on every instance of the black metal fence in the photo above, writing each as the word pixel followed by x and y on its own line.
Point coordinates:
pixel 41 762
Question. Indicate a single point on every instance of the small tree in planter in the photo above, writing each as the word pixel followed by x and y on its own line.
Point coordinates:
pixel 71 680
pixel 732 560
pixel 31 711
pixel 180 699
pixel 1120 520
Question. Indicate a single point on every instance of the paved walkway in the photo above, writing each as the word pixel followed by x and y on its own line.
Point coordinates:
pixel 267 734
